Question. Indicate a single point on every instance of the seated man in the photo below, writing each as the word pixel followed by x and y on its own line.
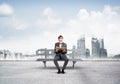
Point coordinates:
pixel 60 51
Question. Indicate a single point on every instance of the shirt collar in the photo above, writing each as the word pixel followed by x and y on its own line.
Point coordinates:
pixel 60 42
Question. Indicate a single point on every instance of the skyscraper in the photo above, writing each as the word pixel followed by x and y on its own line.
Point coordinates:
pixel 103 51
pixel 81 47
pixel 98 50
pixel 74 52
pixel 95 48
pixel 101 41
pixel 87 53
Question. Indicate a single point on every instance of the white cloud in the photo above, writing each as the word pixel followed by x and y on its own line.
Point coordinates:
pixel 18 24
pixel 103 23
pixel 48 12
pixel 108 11
pixel 51 22
pixel 14 22
pixel 6 10
pixel 83 14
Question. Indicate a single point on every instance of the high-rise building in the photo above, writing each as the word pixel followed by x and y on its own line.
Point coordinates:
pixel 95 48
pixel 101 41
pixel 103 51
pixel 81 47
pixel 74 52
pixel 87 53
pixel 98 50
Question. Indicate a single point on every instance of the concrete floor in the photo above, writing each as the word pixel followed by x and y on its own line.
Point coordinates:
pixel 85 72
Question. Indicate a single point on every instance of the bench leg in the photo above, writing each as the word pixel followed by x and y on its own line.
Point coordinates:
pixel 74 64
pixel 44 64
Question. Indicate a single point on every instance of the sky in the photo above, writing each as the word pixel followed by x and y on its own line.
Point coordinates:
pixel 28 25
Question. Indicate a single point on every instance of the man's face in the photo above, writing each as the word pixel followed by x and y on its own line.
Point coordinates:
pixel 60 39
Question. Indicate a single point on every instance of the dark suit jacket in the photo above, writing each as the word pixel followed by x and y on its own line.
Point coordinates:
pixel 60 52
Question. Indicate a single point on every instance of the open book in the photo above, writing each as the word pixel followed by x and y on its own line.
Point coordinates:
pixel 62 48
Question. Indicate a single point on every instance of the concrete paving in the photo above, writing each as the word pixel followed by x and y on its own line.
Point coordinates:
pixel 85 72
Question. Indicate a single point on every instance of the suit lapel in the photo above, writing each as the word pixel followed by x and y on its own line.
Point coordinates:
pixel 62 44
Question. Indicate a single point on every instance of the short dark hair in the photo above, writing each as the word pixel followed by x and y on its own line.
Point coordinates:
pixel 60 36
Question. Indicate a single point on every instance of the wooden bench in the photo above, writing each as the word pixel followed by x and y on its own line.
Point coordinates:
pixel 45 60
pixel 50 52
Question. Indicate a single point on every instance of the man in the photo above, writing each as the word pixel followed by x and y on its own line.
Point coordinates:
pixel 60 50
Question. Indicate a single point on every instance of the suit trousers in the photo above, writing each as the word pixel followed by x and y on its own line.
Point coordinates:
pixel 61 57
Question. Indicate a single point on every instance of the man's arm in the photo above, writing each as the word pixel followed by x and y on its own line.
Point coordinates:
pixel 55 48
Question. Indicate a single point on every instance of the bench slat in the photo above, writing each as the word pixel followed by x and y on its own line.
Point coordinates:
pixel 45 59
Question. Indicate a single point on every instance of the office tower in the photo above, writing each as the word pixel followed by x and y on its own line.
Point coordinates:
pixel 95 48
pixel 103 51
pixel 81 47
pixel 87 53
pixel 74 52
pixel 101 41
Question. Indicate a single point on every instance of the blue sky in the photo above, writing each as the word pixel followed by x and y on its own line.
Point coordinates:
pixel 25 25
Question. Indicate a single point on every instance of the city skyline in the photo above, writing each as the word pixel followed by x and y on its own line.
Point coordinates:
pixel 29 25
pixel 80 51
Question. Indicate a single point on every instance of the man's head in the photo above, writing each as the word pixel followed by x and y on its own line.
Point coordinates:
pixel 60 38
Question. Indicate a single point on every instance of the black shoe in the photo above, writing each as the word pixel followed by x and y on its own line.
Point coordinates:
pixel 59 71
pixel 63 71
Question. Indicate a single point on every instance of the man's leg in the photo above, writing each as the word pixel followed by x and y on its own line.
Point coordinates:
pixel 56 63
pixel 65 63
